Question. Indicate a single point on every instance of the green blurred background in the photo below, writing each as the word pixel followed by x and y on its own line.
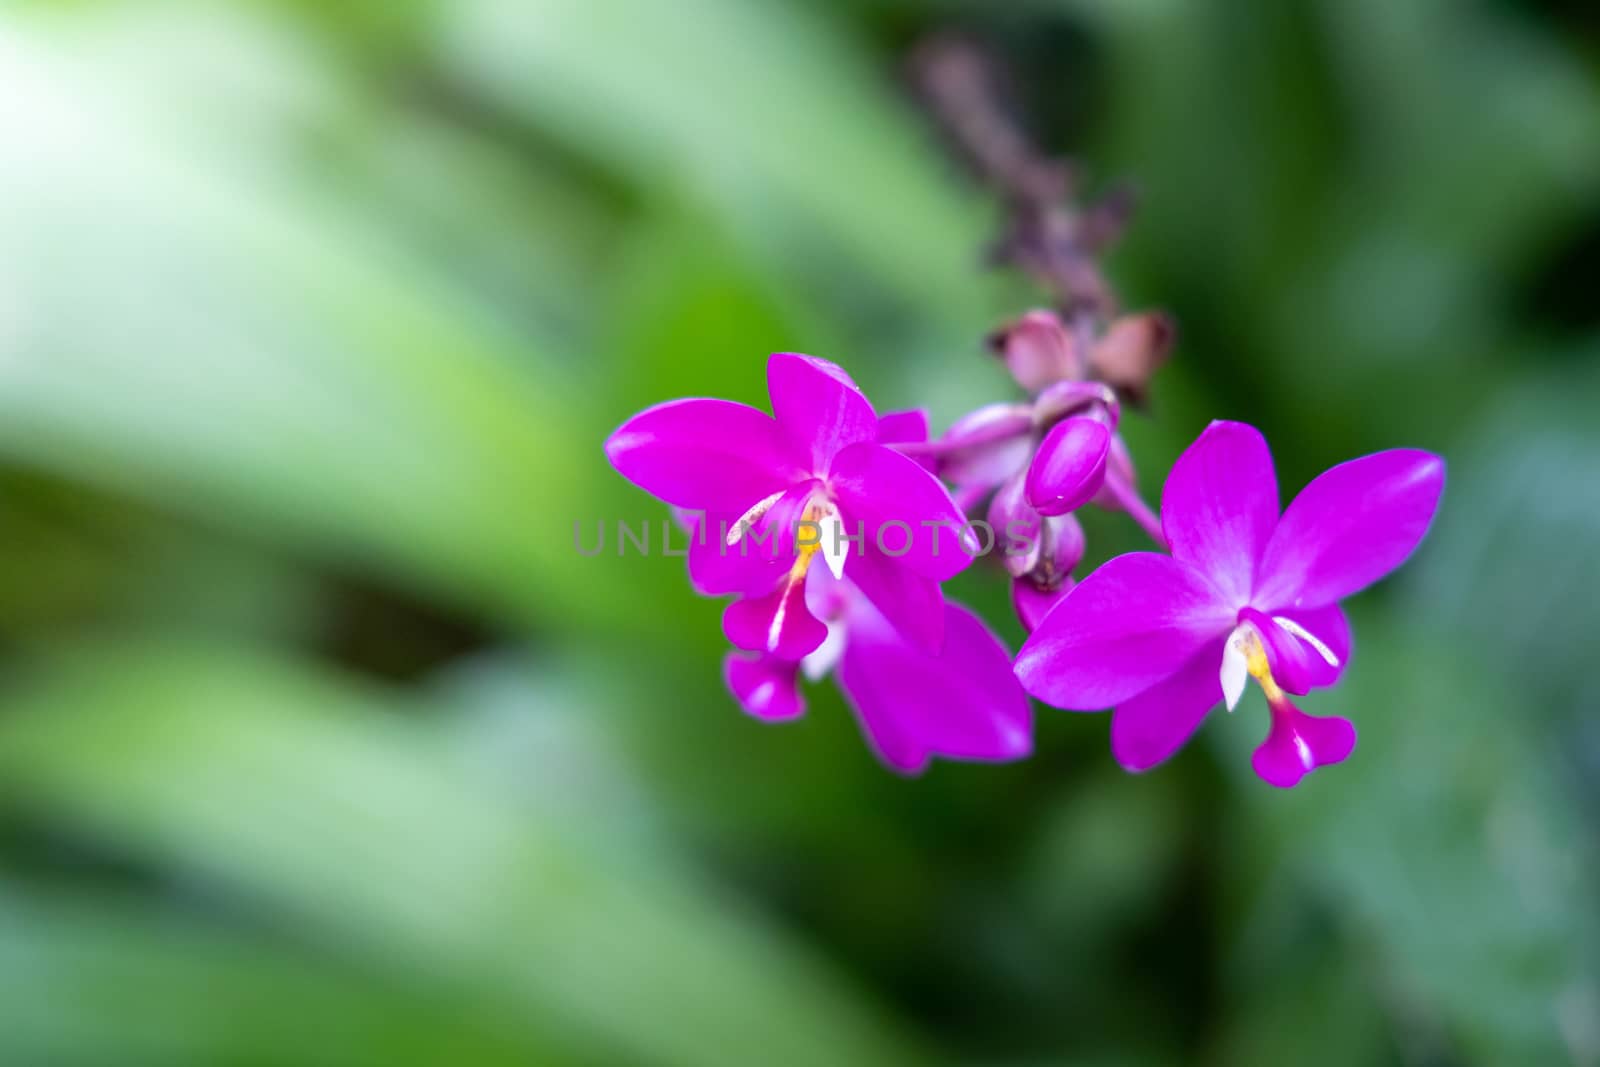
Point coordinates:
pixel 319 744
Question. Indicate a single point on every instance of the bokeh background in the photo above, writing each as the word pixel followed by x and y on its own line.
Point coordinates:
pixel 320 744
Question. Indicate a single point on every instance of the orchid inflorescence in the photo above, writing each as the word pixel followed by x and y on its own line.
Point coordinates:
pixel 1237 591
pixel 1162 637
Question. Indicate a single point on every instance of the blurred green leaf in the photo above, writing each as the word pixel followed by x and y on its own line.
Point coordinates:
pixel 94 981
pixel 214 336
pixel 766 115
pixel 316 802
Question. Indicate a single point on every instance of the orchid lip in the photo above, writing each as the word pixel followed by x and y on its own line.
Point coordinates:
pixel 1297 743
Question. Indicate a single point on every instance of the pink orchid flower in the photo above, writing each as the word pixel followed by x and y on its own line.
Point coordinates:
pixel 1246 593
pixel 813 478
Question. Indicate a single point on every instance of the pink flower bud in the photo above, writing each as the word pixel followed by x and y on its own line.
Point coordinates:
pixel 986 446
pixel 1091 399
pixel 1069 466
pixel 1032 603
pixel 1061 547
pixel 1018 528
pixel 1038 350
pixel 1131 350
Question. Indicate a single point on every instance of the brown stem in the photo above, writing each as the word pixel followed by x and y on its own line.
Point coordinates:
pixel 1046 234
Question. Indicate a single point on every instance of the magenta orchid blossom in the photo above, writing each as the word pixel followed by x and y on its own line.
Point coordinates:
pixel 1246 592
pixel 813 478
pixel 962 703
pixel 933 682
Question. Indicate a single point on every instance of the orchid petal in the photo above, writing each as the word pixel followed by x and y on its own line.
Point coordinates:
pixel 708 455
pixel 961 704
pixel 765 686
pixel 1147 728
pixel 818 406
pixel 1299 743
pixel 1127 626
pixel 912 604
pixel 898 504
pixel 827 596
pixel 778 623
pixel 1351 526
pixel 1220 505
pixel 903 427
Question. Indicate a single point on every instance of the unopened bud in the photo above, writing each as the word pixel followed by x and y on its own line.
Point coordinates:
pixel 1033 603
pixel 1038 350
pixel 1061 548
pixel 1131 350
pixel 1018 526
pixel 1069 467
pixel 1092 399
pixel 987 445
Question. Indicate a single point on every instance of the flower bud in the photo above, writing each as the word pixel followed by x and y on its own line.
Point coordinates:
pixel 1131 350
pixel 1018 528
pixel 1038 350
pixel 1061 548
pixel 987 445
pixel 1032 603
pixel 1069 467
pixel 1091 399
